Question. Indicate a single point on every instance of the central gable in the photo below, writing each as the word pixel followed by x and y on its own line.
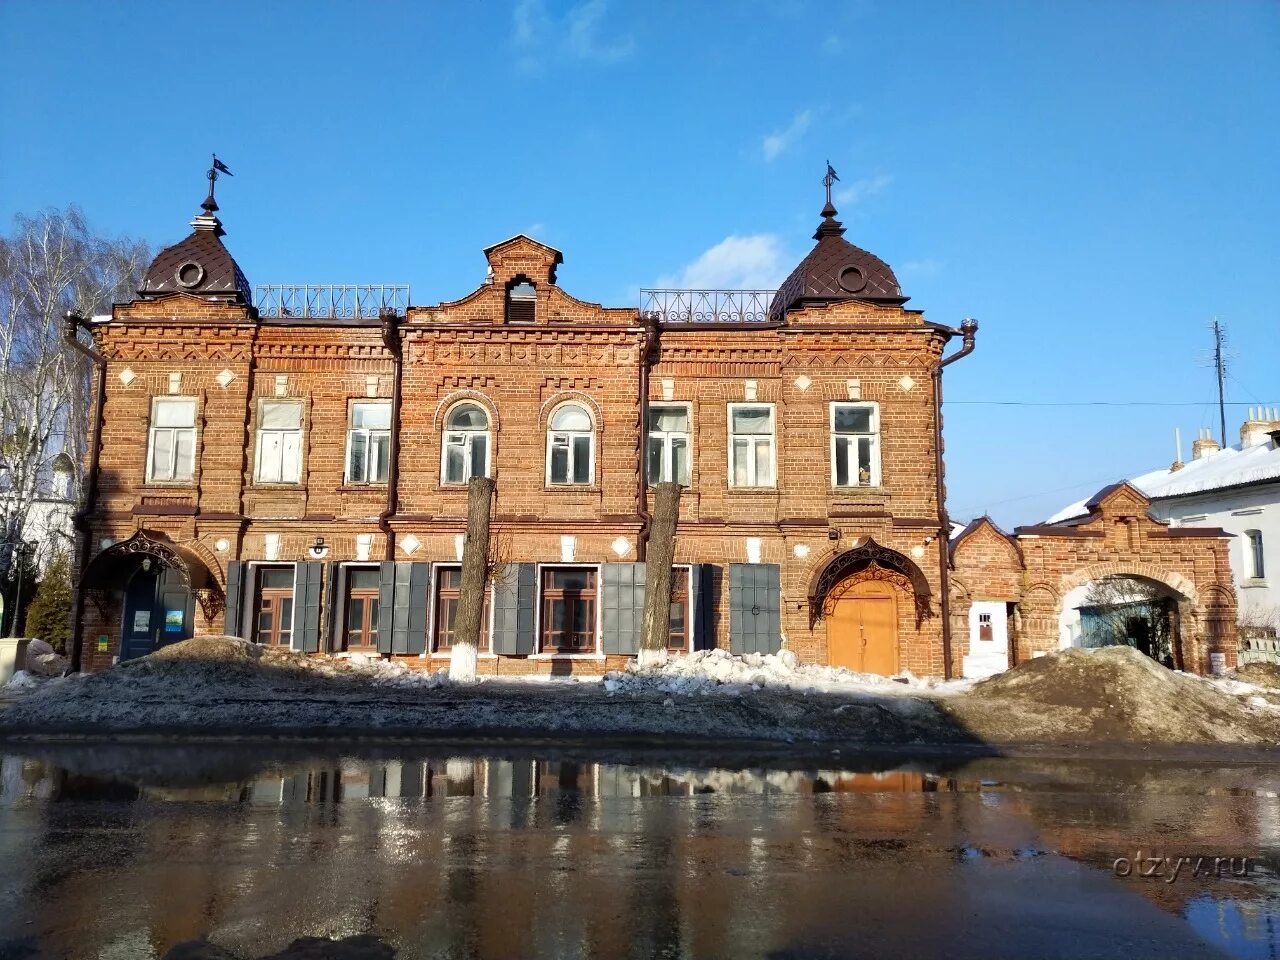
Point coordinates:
pixel 522 257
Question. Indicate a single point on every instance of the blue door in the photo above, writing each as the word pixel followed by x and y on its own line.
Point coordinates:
pixel 141 629
pixel 158 609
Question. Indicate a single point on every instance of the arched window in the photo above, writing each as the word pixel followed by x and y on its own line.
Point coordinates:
pixel 570 446
pixel 521 301
pixel 466 444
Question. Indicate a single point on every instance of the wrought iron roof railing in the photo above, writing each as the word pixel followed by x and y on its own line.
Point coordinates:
pixel 330 301
pixel 707 306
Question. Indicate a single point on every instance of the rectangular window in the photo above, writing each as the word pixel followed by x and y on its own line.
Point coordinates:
pixel 678 639
pixel 171 443
pixel 448 598
pixel 360 631
pixel 751 445
pixel 274 609
pixel 569 610
pixel 466 455
pixel 279 442
pixel 369 443
pixel 855 445
pixel 669 444
pixel 1256 561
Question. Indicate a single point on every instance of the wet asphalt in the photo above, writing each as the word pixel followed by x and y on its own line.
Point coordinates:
pixel 129 852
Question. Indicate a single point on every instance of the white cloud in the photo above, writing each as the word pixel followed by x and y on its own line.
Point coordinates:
pixel 859 190
pixel 778 141
pixel 537 36
pixel 832 44
pixel 755 261
pixel 584 35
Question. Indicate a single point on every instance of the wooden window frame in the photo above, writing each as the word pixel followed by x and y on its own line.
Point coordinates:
pixel 369 621
pixel 754 438
pixel 568 436
pixel 540 647
pixel 284 432
pixel 173 432
pixel 370 477
pixel 282 626
pixel 437 594
pixel 665 437
pixel 684 571
pixel 873 435
pixel 1256 559
pixel 467 442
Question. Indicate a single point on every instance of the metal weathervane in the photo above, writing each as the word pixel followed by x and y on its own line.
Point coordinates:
pixel 829 179
pixel 218 167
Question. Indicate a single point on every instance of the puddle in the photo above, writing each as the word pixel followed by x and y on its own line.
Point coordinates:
pixel 126 851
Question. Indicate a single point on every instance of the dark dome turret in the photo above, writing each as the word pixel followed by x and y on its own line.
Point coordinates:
pixel 200 265
pixel 834 271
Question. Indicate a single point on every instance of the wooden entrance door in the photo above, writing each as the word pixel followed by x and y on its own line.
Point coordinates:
pixel 862 629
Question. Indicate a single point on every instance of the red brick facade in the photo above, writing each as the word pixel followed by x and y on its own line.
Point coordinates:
pixel 804 534
pixel 1035 570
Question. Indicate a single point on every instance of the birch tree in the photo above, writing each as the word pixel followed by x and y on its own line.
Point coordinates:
pixel 50 263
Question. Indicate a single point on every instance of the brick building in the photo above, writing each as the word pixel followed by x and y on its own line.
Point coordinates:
pixel 296 474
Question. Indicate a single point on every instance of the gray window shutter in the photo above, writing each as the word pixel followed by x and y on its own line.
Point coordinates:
pixel 622 606
pixel 332 609
pixel 231 611
pixel 386 603
pixel 526 607
pixel 400 608
pixel 769 596
pixel 515 601
pixel 701 587
pixel 416 632
pixel 755 608
pixel 505 606
pixel 306 607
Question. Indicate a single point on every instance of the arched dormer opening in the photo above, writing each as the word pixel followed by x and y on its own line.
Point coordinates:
pixel 521 300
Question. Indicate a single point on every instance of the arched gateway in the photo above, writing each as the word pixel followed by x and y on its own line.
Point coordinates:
pixel 867 598
pixel 153 583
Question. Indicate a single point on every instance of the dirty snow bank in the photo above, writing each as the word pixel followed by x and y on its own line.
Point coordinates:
pixel 223 685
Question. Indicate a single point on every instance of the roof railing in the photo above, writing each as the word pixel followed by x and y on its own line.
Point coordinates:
pixel 706 306
pixel 363 301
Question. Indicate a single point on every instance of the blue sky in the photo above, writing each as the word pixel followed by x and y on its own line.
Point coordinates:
pixel 1093 181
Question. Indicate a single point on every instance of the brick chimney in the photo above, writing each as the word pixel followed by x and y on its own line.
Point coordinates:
pixel 1204 445
pixel 1257 430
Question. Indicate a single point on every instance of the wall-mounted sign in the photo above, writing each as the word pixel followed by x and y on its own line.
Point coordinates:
pixel 141 621
pixel 103 643
pixel 173 621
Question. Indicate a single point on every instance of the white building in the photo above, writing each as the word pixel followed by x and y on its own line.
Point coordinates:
pixel 1237 489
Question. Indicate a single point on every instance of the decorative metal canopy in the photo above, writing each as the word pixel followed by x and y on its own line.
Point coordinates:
pixel 866 554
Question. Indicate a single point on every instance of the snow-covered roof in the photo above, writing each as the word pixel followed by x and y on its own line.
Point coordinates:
pixel 1230 467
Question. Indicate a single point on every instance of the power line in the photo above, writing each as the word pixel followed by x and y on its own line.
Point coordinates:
pixel 1096 403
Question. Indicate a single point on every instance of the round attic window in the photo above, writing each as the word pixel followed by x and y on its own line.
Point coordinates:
pixel 189 274
pixel 852 279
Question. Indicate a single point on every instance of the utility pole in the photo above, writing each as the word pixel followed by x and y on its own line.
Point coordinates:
pixel 1219 336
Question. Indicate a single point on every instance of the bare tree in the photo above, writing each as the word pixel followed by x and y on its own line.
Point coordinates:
pixel 51 263
pixel 476 571
pixel 1132 612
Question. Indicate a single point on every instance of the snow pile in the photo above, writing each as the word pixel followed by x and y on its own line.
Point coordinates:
pixel 718 671
pixel 43 661
pixel 1113 694
pixel 21 680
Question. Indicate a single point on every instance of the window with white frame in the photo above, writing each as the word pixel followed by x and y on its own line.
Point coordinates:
pixel 171 441
pixel 1254 559
pixel 669 443
pixel 369 442
pixel 279 458
pixel 570 446
pixel 855 445
pixel 751 445
pixel 466 444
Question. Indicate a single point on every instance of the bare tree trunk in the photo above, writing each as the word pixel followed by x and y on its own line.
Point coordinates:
pixel 475 576
pixel 661 552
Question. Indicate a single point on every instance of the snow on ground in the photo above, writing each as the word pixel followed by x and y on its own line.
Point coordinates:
pixel 720 672
pixel 224 685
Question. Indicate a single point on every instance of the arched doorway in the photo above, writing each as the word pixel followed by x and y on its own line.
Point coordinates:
pixel 862 627
pixel 866 597
pixel 158 609
pixel 151 585
pixel 1124 609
